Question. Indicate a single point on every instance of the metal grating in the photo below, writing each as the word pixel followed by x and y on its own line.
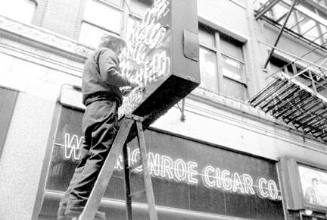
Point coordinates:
pixel 295 103
pixel 297 95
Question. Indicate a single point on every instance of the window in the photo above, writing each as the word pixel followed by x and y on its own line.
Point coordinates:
pixel 20 10
pixel 100 17
pixel 107 16
pixel 222 64
pixel 138 7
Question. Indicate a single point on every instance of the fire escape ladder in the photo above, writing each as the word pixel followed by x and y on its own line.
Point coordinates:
pixel 280 32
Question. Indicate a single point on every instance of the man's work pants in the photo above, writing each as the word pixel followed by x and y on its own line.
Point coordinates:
pixel 100 124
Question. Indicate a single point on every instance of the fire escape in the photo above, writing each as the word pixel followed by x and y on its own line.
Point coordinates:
pixel 297 95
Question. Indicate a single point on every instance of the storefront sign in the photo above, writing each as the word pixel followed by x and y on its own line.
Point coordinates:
pixel 188 176
pixel 304 185
pixel 154 59
pixel 180 170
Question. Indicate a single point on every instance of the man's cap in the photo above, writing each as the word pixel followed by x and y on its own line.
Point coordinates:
pixel 106 38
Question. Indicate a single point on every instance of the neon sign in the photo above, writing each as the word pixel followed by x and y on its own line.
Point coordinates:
pixel 189 172
pixel 72 146
pixel 145 59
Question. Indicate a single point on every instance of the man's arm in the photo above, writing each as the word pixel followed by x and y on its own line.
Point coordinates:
pixel 109 69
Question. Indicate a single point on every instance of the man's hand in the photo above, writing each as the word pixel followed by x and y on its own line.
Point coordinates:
pixel 133 85
pixel 126 90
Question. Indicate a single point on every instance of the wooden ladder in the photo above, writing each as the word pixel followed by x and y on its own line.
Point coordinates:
pixel 129 124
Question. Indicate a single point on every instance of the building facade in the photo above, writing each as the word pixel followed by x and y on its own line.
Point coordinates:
pixel 212 156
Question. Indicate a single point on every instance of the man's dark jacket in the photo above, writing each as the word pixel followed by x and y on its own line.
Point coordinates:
pixel 102 77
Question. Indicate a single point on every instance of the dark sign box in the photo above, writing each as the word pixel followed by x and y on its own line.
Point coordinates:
pixel 298 178
pixel 182 49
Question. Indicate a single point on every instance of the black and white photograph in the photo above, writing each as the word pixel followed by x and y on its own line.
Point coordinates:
pixel 163 110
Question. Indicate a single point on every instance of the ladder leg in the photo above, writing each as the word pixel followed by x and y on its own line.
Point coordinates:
pixel 127 185
pixel 147 178
pixel 106 171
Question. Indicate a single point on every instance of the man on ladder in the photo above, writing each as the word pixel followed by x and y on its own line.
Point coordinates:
pixel 102 96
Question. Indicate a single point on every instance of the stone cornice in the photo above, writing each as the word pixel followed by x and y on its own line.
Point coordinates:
pixel 43 37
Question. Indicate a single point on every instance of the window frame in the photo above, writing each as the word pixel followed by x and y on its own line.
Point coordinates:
pixel 105 4
pixel 220 62
pixel 124 8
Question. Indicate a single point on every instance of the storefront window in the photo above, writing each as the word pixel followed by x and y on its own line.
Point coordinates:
pixel 191 180
pixel 20 10
pixel 305 186
pixel 222 64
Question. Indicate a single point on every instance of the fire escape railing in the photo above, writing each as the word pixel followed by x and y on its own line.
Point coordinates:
pixel 304 23
pixel 297 95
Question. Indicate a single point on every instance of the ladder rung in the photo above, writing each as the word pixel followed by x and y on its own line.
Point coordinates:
pixel 135 165
pixel 137 194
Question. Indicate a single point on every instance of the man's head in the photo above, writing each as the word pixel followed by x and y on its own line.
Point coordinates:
pixel 113 42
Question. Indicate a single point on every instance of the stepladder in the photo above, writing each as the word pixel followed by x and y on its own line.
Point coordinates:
pixel 130 125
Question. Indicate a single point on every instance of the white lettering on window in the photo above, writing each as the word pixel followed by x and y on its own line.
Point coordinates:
pixel 237 183
pixel 166 167
pixel 72 145
pixel 273 190
pixel 180 170
pixel 218 178
pixel 263 187
pixel 248 184
pixel 226 180
pixel 153 163
pixel 192 172
pixel 208 177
